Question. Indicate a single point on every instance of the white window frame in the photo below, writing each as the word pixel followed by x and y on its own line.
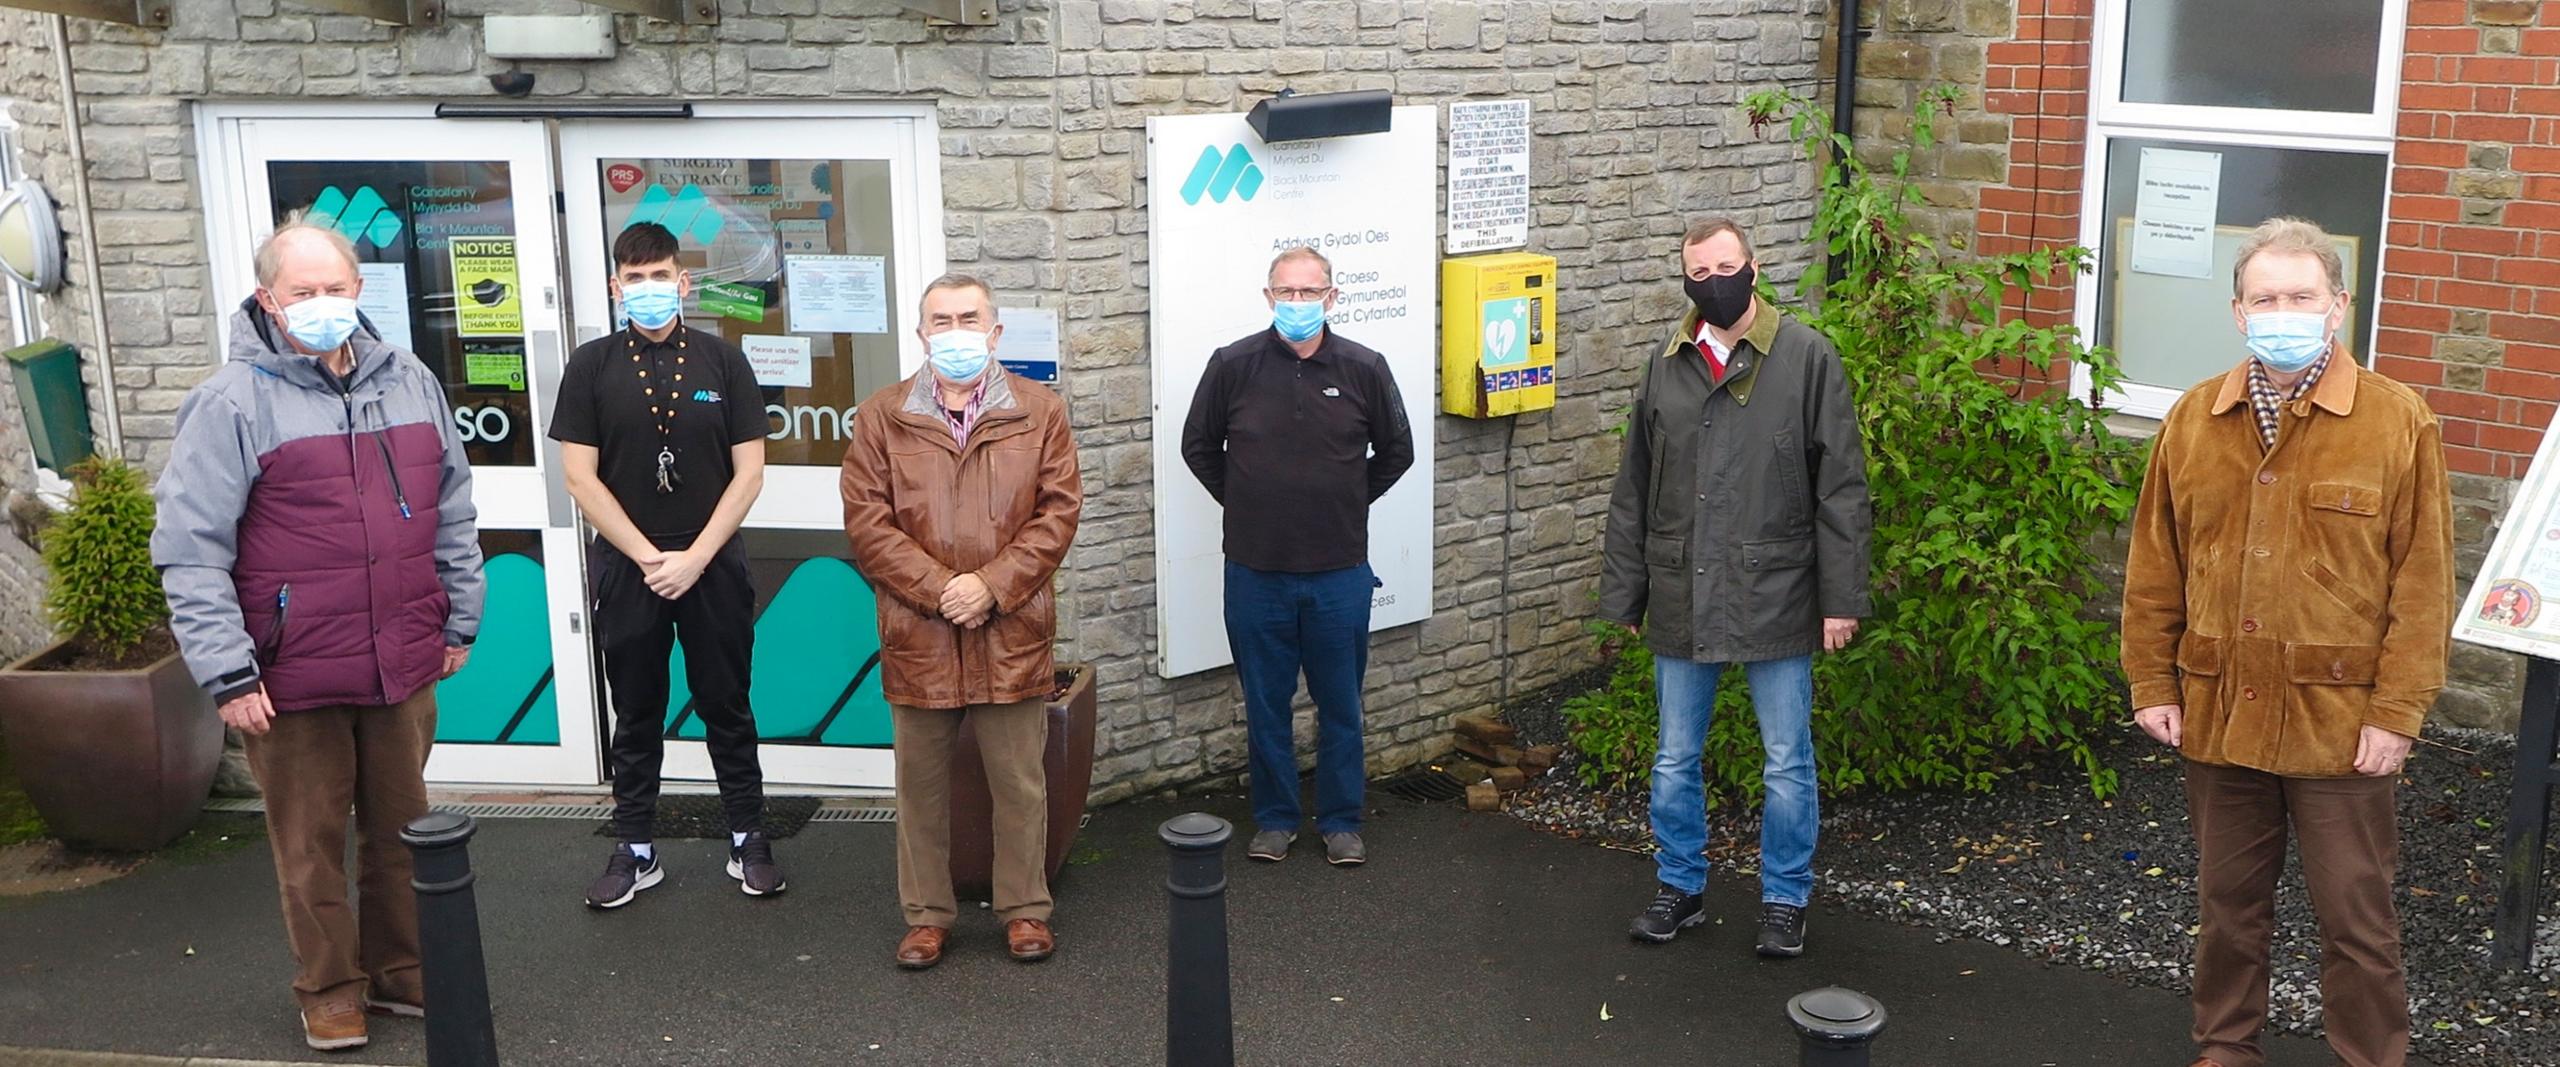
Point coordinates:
pixel 2112 117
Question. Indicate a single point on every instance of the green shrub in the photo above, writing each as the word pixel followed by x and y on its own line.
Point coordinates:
pixel 1983 653
pixel 105 593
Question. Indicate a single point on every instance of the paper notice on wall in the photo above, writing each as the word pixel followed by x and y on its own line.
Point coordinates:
pixel 780 362
pixel 487 299
pixel 385 302
pixel 2509 605
pixel 837 294
pixel 1488 175
pixel 494 366
pixel 1029 346
pixel 2173 212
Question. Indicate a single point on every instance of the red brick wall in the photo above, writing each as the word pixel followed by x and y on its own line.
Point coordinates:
pixel 2471 285
pixel 2040 79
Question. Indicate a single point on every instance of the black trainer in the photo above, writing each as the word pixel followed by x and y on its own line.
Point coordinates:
pixel 1781 930
pixel 625 875
pixel 1671 912
pixel 751 863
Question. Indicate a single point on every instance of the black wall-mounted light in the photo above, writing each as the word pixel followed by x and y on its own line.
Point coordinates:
pixel 1291 117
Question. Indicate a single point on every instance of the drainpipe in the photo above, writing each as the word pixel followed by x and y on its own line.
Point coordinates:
pixel 1844 92
pixel 111 426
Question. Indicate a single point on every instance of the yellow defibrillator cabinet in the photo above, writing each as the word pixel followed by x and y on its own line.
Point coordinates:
pixel 1498 334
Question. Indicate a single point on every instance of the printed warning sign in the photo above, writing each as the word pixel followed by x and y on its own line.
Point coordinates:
pixel 487 299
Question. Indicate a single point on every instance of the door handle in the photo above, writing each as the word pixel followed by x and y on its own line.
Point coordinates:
pixel 543 348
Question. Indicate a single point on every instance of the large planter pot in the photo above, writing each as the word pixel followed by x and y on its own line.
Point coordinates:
pixel 1068 758
pixel 111 759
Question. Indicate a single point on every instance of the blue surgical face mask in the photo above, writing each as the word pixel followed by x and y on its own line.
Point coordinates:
pixel 958 355
pixel 2289 341
pixel 1298 320
pixel 321 323
pixel 651 305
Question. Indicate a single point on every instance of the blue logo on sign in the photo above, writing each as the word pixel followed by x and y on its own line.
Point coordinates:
pixel 706 396
pixel 687 212
pixel 362 218
pixel 1220 174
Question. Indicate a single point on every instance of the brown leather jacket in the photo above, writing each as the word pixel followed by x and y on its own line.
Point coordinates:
pixel 2289 598
pixel 922 509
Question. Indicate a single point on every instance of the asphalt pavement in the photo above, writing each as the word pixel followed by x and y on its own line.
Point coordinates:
pixel 1468 939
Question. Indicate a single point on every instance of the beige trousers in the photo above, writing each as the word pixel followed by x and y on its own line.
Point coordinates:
pixel 1010 739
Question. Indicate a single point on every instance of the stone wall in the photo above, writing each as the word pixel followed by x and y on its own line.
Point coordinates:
pixel 27 79
pixel 1636 108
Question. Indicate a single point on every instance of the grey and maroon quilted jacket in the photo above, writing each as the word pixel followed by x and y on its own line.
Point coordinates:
pixel 317 537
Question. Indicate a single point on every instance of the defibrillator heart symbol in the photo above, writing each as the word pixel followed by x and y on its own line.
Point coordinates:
pixel 1499 336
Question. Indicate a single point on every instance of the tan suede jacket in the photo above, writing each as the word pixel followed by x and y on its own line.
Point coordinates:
pixel 921 509
pixel 2288 598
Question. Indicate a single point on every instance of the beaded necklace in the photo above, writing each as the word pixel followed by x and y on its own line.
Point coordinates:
pixel 662 410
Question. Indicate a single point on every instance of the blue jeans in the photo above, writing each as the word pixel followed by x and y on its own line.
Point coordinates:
pixel 1791 808
pixel 1280 624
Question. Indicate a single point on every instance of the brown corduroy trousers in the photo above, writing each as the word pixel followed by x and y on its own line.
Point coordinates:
pixel 314 767
pixel 2350 842
pixel 1011 738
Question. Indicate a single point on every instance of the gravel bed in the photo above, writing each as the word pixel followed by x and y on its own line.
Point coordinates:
pixel 2041 866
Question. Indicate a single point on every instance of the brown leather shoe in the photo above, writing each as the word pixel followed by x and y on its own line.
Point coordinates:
pixel 333 1026
pixel 1029 940
pixel 922 947
pixel 404 1000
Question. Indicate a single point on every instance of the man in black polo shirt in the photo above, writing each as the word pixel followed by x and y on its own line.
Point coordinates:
pixel 662 431
pixel 1296 431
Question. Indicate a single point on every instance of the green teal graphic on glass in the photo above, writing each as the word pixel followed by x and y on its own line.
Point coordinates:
pixel 1506 332
pixel 817 665
pixel 504 695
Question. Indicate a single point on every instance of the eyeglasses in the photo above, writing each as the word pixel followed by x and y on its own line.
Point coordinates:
pixel 1298 295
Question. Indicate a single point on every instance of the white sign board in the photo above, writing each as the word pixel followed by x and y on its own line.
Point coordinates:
pixel 837 294
pixel 2173 212
pixel 781 361
pixel 1029 346
pixel 2509 606
pixel 1488 175
pixel 1222 205
pixel 385 300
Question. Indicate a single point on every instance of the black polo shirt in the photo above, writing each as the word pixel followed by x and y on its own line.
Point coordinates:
pixel 1297 449
pixel 604 401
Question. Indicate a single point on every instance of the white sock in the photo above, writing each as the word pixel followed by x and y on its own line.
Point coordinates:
pixel 736 839
pixel 643 850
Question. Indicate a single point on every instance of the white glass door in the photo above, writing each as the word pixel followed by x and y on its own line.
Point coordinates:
pixel 808 234
pixel 453 223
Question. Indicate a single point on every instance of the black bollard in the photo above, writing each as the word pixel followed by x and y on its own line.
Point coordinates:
pixel 456 977
pixel 1835 1026
pixel 1199 1021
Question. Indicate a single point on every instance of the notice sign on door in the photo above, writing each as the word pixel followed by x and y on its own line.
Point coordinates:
pixel 1488 175
pixel 780 361
pixel 487 299
pixel 2173 213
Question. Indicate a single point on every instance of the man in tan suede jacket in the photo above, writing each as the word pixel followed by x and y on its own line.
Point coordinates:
pixel 2286 617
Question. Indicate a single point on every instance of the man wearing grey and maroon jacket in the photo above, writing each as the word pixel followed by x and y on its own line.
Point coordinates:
pixel 318 545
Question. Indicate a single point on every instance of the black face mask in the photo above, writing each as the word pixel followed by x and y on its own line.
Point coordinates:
pixel 1723 300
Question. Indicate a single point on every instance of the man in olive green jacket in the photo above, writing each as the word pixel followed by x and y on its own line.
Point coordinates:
pixel 1738 534
pixel 2287 616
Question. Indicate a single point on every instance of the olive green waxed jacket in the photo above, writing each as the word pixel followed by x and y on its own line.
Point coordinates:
pixel 1740 518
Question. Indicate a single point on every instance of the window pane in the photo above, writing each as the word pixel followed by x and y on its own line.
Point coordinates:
pixel 792 260
pixel 2294 55
pixel 2174 330
pixel 404 219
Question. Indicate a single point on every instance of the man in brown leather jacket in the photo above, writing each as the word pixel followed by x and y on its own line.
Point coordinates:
pixel 961 495
pixel 2287 611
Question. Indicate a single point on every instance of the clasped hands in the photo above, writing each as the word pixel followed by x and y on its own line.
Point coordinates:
pixel 967 602
pixel 672 574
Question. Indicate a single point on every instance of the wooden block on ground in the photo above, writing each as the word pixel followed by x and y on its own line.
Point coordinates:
pixel 1466 771
pixel 1487 729
pixel 1509 778
pixel 1507 755
pixel 1482 796
pixel 1540 760
pixel 1482 752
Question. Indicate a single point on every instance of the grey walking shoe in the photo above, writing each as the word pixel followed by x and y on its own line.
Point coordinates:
pixel 1271 846
pixel 1344 849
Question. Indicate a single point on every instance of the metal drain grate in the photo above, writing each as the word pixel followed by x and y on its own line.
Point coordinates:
pixel 883 813
pixel 255 806
pixel 1422 786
